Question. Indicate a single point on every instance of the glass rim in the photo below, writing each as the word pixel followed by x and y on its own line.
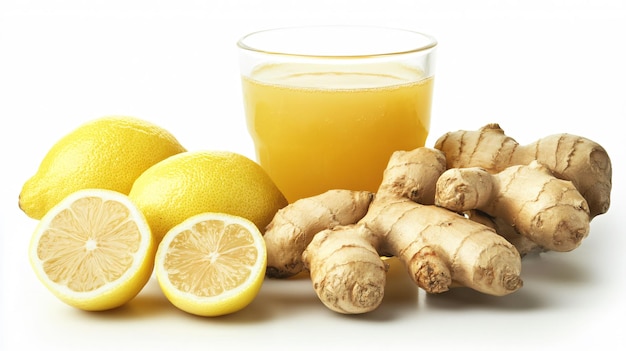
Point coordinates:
pixel 428 41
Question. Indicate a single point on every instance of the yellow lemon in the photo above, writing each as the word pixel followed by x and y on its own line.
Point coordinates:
pixel 194 182
pixel 211 264
pixel 93 250
pixel 107 153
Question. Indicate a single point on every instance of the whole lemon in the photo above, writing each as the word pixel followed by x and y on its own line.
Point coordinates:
pixel 195 182
pixel 107 153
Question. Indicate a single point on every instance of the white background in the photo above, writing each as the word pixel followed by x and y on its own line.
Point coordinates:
pixel 535 67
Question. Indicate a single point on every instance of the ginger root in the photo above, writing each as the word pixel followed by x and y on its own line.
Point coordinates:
pixel 294 226
pixel 460 214
pixel 582 161
pixel 440 248
pixel 353 281
pixel 547 210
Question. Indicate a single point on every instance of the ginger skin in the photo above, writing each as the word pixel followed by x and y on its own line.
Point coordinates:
pixel 523 245
pixel 547 210
pixel 294 226
pixel 440 248
pixel 577 159
pixel 352 282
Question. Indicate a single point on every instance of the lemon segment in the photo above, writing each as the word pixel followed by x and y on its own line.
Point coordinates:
pixel 107 153
pixel 211 264
pixel 93 250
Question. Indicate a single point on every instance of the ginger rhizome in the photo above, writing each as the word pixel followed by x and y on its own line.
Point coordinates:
pixel 576 159
pixel 582 161
pixel 439 247
pixel 546 210
pixel 346 269
pixel 294 226
pixel 461 214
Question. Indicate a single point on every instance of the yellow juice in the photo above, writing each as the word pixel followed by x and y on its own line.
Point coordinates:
pixel 317 129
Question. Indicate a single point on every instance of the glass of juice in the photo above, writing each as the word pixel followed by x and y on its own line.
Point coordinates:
pixel 326 106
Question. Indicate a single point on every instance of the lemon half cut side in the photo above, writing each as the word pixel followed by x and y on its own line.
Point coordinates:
pixel 211 264
pixel 93 250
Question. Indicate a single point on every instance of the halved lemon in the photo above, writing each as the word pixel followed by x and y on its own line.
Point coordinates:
pixel 211 264
pixel 93 250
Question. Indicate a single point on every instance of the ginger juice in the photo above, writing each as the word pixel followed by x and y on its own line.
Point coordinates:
pixel 317 127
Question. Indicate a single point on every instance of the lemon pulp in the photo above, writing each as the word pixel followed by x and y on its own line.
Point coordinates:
pixel 211 264
pixel 93 250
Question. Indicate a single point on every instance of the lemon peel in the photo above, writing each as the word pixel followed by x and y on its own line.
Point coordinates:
pixel 201 181
pixel 107 153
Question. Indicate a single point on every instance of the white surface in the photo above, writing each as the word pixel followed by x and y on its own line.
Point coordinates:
pixel 537 68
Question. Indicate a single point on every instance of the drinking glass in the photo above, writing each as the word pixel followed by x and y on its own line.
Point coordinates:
pixel 326 106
